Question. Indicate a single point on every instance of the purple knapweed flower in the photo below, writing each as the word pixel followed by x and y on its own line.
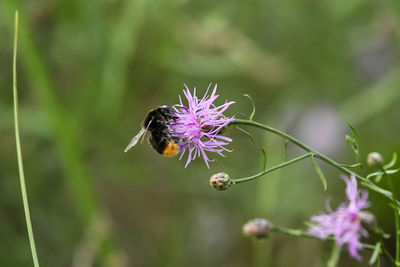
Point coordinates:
pixel 199 124
pixel 345 223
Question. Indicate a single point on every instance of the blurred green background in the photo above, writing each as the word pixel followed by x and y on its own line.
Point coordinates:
pixel 90 70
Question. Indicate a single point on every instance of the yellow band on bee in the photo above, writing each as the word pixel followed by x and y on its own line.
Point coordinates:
pixel 171 150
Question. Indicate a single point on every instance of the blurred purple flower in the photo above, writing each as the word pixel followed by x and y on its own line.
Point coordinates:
pixel 199 125
pixel 344 223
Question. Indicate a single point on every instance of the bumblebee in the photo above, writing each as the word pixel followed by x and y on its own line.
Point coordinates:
pixel 157 122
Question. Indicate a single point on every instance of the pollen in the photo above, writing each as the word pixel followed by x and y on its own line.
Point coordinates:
pixel 171 150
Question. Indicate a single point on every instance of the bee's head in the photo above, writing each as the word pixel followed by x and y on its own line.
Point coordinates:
pixel 151 119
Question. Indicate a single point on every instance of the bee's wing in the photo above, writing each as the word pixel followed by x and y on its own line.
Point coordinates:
pixel 135 139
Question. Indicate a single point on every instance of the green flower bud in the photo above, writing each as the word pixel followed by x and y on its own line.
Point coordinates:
pixel 220 181
pixel 375 160
pixel 258 228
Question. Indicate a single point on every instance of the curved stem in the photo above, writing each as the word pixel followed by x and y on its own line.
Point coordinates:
pixel 277 167
pixel 19 154
pixel 396 217
pixel 273 130
pixel 386 252
pixel 388 256
pixel 364 181
pixel 301 233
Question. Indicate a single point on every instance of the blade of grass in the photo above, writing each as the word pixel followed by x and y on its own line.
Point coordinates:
pixel 64 131
pixel 19 153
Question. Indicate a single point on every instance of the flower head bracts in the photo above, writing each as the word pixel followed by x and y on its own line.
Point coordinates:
pixel 199 124
pixel 344 223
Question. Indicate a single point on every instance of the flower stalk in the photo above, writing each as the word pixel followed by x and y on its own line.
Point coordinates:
pixel 277 167
pixel 364 181
pixel 301 233
pixel 385 252
pixel 396 217
pixel 305 234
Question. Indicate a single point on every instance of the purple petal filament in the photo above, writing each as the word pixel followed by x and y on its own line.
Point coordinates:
pixel 199 124
pixel 344 223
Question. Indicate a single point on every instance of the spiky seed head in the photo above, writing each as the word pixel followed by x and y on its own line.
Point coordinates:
pixel 220 181
pixel 258 228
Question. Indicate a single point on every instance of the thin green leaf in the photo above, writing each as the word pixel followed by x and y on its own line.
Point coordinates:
pixel 377 173
pixel 264 157
pixel 349 139
pixel 249 135
pixel 392 162
pixel 319 172
pixel 379 232
pixel 391 171
pixel 373 174
pixel 375 254
pixel 355 146
pixel 285 147
pixel 386 235
pixel 378 178
pixel 254 107
pixel 309 224
pixel 352 143
pixel 351 165
pixel 353 130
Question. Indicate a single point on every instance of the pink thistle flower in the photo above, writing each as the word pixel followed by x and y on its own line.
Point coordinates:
pixel 199 125
pixel 345 223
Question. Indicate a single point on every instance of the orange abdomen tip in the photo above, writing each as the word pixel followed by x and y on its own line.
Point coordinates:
pixel 171 150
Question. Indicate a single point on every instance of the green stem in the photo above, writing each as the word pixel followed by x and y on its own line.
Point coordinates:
pixel 386 253
pixel 396 217
pixel 388 256
pixel 364 181
pixel 272 130
pixel 335 256
pixel 286 163
pixel 19 153
pixel 311 152
pixel 396 211
pixel 301 233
